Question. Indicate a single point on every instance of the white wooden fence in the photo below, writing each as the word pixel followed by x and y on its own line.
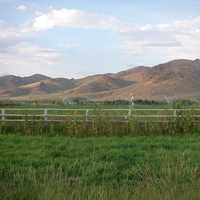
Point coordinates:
pixel 61 115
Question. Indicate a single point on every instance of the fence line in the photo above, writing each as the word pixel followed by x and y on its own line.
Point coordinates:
pixel 121 115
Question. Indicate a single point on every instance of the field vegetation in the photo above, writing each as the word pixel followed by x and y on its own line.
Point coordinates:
pixel 102 159
pixel 103 168
pixel 98 123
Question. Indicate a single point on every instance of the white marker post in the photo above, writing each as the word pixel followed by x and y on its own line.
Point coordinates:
pixel 132 101
pixel 132 106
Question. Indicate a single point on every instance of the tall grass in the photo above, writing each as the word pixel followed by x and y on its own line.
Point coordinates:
pixel 174 179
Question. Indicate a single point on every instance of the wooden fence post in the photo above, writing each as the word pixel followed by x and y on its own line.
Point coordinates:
pixel 129 113
pixel 175 114
pixel 3 114
pixel 45 114
pixel 86 115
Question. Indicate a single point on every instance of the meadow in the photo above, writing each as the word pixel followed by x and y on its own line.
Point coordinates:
pixel 33 167
pixel 101 159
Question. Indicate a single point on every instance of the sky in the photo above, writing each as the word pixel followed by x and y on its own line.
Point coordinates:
pixel 76 38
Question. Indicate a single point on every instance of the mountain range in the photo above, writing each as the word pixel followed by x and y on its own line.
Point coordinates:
pixel 174 79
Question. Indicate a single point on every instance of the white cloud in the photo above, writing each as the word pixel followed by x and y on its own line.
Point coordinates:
pixel 179 39
pixel 9 37
pixel 135 38
pixel 71 18
pixel 28 58
pixel 22 8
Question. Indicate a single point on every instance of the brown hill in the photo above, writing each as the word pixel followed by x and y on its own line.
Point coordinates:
pixel 12 86
pixel 178 79
pixel 11 82
pixel 175 79
pixel 99 83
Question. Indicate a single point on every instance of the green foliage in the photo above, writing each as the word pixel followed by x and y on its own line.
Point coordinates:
pixel 181 103
pixel 142 168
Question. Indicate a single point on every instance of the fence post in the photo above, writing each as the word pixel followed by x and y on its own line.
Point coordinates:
pixel 129 113
pixel 86 115
pixel 3 114
pixel 45 114
pixel 175 114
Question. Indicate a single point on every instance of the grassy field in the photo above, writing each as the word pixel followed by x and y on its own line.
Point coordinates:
pixel 33 167
pixel 101 159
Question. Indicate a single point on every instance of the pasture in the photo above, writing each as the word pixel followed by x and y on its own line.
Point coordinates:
pixel 106 152
pixel 33 167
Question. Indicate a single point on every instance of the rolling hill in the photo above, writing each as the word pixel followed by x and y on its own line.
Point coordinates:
pixel 175 79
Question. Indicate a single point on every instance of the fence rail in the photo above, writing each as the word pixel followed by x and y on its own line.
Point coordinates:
pixel 61 115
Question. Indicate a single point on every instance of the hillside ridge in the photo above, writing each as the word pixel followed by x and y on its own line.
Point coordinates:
pixel 176 78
